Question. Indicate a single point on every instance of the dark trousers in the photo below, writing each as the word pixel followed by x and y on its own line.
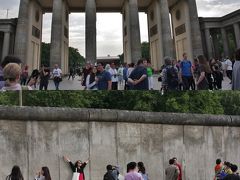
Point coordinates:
pixel 229 74
pixel 56 83
pixel 187 82
pixel 114 85
pixel 43 85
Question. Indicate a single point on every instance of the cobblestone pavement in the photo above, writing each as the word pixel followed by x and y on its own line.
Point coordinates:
pixel 76 84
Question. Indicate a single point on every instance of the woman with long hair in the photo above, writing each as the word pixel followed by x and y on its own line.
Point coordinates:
pixel 91 80
pixel 44 174
pixel 142 170
pixel 77 167
pixel 202 74
pixel 16 174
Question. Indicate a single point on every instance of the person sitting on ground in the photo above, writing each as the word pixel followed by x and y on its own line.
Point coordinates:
pixel 77 167
pixel 44 174
pixel 234 175
pixel 12 73
pixel 112 173
pixel 132 173
pixel 16 174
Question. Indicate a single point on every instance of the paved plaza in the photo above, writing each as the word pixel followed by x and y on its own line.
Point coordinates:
pixel 76 84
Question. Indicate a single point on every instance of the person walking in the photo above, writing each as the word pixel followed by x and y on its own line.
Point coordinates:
pixel 16 174
pixel 172 171
pixel 229 68
pixel 236 72
pixel 77 167
pixel 44 174
pixel 132 173
pixel 57 76
pixel 44 77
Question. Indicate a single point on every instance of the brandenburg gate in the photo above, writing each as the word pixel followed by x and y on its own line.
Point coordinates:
pixel 173 29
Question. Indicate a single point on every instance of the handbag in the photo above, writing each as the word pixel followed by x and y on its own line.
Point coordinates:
pixel 76 175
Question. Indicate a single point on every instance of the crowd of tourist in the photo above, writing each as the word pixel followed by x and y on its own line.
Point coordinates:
pixel 185 74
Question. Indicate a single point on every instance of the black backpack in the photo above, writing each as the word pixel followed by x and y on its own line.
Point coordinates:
pixel 172 78
pixel 108 176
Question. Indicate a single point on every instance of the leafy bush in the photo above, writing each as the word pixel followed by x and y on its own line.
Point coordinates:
pixel 202 102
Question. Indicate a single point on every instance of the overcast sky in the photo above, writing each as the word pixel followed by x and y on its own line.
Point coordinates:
pixel 109 26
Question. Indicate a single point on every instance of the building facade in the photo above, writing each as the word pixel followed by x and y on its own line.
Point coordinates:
pixel 221 36
pixel 173 27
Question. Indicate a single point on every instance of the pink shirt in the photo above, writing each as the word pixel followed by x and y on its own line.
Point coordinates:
pixel 133 176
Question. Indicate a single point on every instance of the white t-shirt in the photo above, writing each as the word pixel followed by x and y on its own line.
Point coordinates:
pixel 228 63
pixel 113 73
pixel 57 72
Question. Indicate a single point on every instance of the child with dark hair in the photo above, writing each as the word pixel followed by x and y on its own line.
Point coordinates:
pixel 16 174
pixel 44 174
pixel 142 170
pixel 77 167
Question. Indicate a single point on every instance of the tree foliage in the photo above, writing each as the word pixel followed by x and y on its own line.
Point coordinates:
pixel 75 58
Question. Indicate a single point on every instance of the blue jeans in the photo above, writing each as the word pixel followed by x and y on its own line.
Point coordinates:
pixel 56 84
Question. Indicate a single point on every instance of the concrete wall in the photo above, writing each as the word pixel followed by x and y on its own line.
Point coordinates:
pixel 32 137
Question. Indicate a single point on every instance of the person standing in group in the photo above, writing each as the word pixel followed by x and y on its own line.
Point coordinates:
pixel 77 167
pixel 132 172
pixel 16 174
pixel 91 80
pixel 57 76
pixel 179 168
pixel 150 74
pixel 228 67
pixel 112 173
pixel 44 77
pixel 138 77
pixel 12 73
pixel 172 171
pixel 24 75
pixel 125 78
pixel 85 72
pixel 114 76
pixel 236 72
pixel 71 73
pixel 186 72
pixel 234 175
pixel 204 69
pixel 44 174
pixel 129 71
pixel 120 75
pixel 7 60
pixel 170 78
pixel 104 81
pixel 142 170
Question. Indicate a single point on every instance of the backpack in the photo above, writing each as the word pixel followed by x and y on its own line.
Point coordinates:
pixel 108 176
pixel 172 78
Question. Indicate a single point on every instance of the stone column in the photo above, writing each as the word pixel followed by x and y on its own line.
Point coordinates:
pixel 208 43
pixel 91 43
pixel 6 44
pixel 166 29
pixel 57 33
pixel 225 42
pixel 237 34
pixel 195 28
pixel 132 36
pixel 21 40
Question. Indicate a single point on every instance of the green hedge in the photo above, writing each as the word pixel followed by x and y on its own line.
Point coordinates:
pixel 203 102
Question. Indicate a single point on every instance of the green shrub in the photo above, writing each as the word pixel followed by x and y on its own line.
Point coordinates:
pixel 202 102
